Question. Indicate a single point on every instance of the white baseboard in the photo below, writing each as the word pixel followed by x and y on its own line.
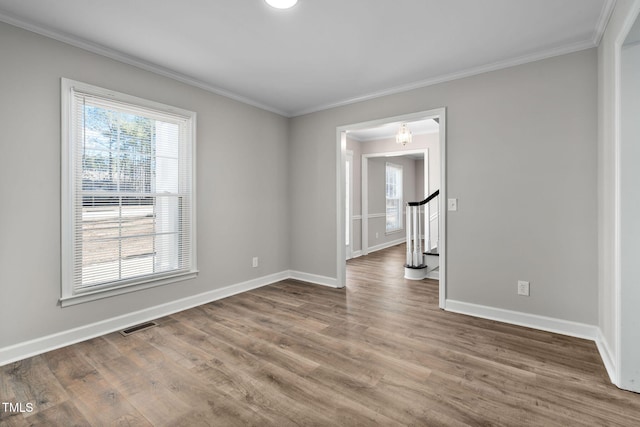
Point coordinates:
pixel 550 324
pixel 356 254
pixel 385 245
pixel 607 357
pixel 61 339
pixel 41 345
pixel 316 279
pixel 434 275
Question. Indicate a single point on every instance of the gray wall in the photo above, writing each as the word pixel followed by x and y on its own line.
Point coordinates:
pixel 521 159
pixel 420 192
pixel 242 175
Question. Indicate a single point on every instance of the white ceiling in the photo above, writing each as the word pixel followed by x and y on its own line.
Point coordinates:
pixel 320 53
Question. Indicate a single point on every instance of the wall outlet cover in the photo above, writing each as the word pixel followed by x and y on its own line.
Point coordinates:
pixel 523 288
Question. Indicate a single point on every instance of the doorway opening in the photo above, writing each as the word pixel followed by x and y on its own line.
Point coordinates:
pixel 366 152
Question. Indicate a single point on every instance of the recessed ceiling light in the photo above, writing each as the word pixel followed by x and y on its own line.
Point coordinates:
pixel 281 4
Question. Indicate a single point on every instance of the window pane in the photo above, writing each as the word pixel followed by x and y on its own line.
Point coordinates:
pixel 347 195
pixel 137 254
pixel 137 216
pixel 130 169
pixel 393 188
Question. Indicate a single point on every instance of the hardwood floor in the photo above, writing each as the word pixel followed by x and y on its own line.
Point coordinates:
pixel 379 352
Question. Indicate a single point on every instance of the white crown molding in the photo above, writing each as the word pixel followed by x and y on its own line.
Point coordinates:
pixel 603 20
pixel 601 25
pixel 131 60
pixel 538 56
pixel 630 45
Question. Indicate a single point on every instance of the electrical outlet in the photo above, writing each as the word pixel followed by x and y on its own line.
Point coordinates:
pixel 377 235
pixel 523 288
pixel 255 261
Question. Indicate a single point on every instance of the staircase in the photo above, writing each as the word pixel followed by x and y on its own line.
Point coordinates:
pixel 423 260
pixel 432 259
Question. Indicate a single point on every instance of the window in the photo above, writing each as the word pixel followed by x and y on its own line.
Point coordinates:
pixel 347 199
pixel 393 174
pixel 128 208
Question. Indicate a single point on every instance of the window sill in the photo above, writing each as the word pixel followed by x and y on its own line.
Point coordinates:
pixel 398 230
pixel 88 296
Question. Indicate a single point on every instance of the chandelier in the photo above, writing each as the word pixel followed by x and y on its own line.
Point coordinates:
pixel 404 135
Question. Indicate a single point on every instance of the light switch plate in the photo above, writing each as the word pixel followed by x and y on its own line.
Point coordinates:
pixel 452 204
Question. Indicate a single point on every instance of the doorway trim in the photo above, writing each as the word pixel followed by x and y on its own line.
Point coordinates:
pixel 614 364
pixel 364 184
pixel 341 148
pixel 349 211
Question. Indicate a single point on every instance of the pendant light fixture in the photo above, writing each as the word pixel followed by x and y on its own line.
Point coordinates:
pixel 281 4
pixel 404 136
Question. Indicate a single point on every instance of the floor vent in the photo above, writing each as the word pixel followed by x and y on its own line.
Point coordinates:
pixel 138 328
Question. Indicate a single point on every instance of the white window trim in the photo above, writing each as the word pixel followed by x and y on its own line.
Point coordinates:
pixel 400 201
pixel 68 295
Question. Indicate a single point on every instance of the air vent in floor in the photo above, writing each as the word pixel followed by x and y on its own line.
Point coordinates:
pixel 138 328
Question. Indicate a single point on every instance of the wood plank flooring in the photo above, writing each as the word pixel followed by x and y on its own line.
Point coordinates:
pixel 379 352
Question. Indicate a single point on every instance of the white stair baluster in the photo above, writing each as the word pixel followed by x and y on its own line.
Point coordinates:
pixel 438 223
pixel 427 231
pixel 416 237
pixel 408 228
pixel 419 234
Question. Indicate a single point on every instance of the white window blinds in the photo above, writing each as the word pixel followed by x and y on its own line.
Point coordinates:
pixel 393 193
pixel 130 191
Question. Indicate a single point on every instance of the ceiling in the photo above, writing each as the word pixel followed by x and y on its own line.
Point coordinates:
pixel 320 53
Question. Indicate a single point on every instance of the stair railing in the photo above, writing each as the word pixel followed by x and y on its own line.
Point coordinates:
pixel 415 218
